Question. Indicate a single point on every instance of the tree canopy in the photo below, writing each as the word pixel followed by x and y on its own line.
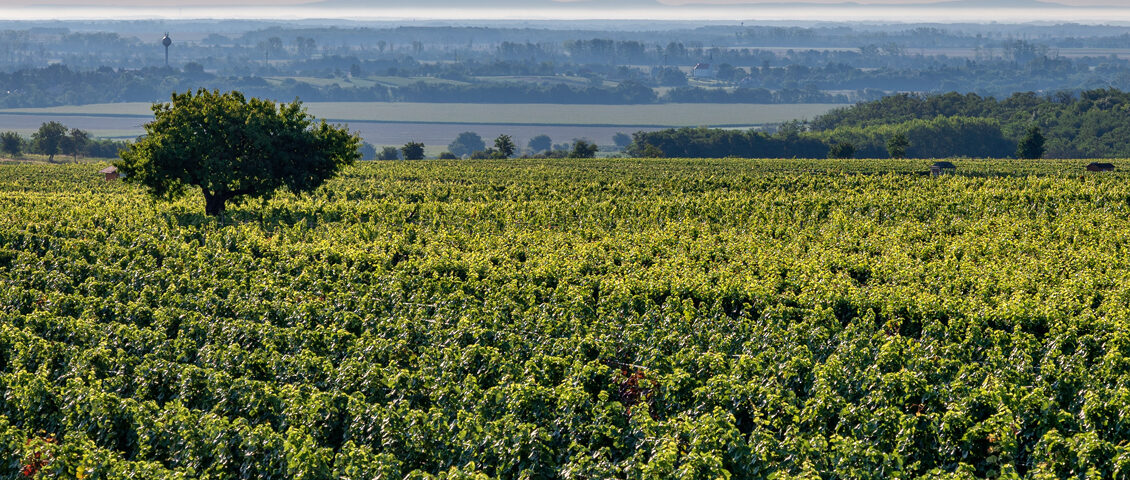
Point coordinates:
pixel 1032 145
pixel 466 144
pixel 11 143
pixel 233 148
pixel 49 138
pixel 413 151
pixel 505 146
pixel 540 143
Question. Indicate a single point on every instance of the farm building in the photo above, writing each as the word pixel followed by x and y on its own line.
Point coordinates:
pixel 111 173
pixel 942 168
pixel 1100 167
pixel 704 70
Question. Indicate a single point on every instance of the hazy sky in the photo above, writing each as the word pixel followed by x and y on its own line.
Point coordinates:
pixel 1101 11
pixel 486 3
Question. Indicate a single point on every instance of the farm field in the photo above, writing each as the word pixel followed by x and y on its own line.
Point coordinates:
pixel 435 135
pixel 99 126
pixel 662 115
pixel 671 318
pixel 437 124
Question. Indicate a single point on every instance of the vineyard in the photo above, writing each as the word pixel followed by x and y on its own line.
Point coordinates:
pixel 573 319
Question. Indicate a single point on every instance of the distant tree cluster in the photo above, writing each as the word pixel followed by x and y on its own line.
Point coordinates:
pixel 1089 124
pixel 937 138
pixel 471 145
pixel 720 143
pixel 54 138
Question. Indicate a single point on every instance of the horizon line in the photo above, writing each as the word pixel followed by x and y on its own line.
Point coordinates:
pixel 724 13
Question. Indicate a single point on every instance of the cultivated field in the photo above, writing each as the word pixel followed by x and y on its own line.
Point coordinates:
pixel 437 124
pixel 99 126
pixel 663 115
pixel 573 319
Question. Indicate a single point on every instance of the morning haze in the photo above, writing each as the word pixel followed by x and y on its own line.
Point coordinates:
pixel 1090 11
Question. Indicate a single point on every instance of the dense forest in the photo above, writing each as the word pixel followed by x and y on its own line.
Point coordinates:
pixel 1091 124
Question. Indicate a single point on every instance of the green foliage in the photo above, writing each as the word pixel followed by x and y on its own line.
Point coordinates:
pixel 940 137
pixel 489 153
pixel 789 142
pixel 389 153
pixel 583 149
pixel 467 143
pixel 233 148
pixel 540 143
pixel 412 151
pixel 841 150
pixel 1032 145
pixel 897 145
pixel 504 145
pixel 75 143
pixel 592 318
pixel 1090 124
pixel 11 143
pixel 48 140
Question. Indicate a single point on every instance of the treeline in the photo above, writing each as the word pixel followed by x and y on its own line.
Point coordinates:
pixel 349 78
pixel 54 138
pixel 940 137
pixel 1091 124
pixel 720 143
pixel 59 85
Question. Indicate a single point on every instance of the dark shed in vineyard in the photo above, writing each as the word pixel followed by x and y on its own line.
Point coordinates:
pixel 111 173
pixel 1100 167
pixel 942 168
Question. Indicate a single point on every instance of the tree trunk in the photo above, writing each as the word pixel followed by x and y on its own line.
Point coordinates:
pixel 214 203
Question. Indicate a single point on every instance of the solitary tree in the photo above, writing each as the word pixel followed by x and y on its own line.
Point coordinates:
pixel 540 143
pixel 233 148
pixel 505 146
pixel 389 153
pixel 11 143
pixel 897 145
pixel 49 138
pixel 413 151
pixel 467 143
pixel 1032 145
pixel 583 149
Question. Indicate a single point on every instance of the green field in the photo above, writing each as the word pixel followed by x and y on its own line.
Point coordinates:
pixel 573 319
pixel 663 115
pixel 364 82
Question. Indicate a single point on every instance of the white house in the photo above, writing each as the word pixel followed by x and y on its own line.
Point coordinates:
pixel 704 70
